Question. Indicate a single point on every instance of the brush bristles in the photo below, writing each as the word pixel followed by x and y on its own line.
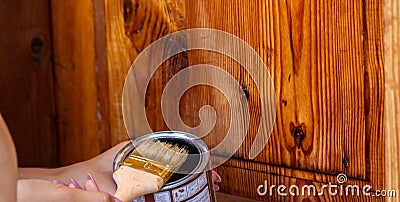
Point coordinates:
pixel 163 152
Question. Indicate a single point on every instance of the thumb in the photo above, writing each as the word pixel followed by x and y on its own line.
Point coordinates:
pixel 91 185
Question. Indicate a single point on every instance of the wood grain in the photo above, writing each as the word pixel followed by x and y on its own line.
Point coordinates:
pixel 259 173
pixel 79 115
pixel 391 14
pixel 103 105
pixel 326 61
pixel 131 26
pixel 221 197
pixel 26 80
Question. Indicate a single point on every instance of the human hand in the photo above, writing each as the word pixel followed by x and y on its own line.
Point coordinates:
pixel 91 185
pixel 42 190
pixel 100 167
pixel 102 172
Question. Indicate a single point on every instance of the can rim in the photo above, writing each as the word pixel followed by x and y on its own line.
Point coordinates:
pixel 170 135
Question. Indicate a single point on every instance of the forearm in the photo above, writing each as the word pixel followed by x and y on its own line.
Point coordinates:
pixel 77 171
pixel 100 167
pixel 39 173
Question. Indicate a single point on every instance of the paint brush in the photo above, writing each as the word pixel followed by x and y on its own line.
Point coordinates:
pixel 147 169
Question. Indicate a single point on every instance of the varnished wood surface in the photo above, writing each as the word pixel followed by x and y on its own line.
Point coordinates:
pixel 26 80
pixel 131 26
pixel 79 109
pixel 391 12
pixel 221 197
pixel 320 70
pixel 248 176
pixel 326 61
pixel 325 58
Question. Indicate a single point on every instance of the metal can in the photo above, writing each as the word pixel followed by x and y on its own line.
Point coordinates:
pixel 193 183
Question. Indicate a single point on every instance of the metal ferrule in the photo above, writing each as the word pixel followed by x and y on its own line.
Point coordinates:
pixel 150 166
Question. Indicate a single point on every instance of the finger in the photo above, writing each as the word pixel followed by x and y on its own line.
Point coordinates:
pixel 59 182
pixel 215 176
pixel 216 187
pixel 90 184
pixel 75 184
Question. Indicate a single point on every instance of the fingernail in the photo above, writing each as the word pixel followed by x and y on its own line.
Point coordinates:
pixel 76 185
pixel 218 177
pixel 90 177
pixel 117 200
pixel 59 182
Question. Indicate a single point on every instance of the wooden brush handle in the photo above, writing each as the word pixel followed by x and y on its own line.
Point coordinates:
pixel 132 183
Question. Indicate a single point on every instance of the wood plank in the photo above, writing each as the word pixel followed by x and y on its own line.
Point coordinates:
pixel 79 109
pixel 391 13
pixel 374 91
pixel 120 55
pixel 249 185
pixel 221 197
pixel 325 59
pixel 26 80
pixel 325 70
pixel 103 105
pixel 326 62
pixel 131 26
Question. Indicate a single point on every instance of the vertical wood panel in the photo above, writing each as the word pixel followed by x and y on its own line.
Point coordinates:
pixel 26 80
pixel 391 13
pixel 76 69
pixel 131 26
pixel 325 58
pixel 120 55
pixel 374 92
pixel 103 105
pixel 259 173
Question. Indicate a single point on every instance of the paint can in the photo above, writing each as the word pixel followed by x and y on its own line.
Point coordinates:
pixel 193 183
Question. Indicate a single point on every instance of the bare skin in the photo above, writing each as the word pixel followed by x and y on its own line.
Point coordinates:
pixel 40 184
pixel 100 167
pixel 33 190
pixel 16 185
pixel 8 160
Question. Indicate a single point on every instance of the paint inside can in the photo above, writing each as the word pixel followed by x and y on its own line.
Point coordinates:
pixel 193 181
